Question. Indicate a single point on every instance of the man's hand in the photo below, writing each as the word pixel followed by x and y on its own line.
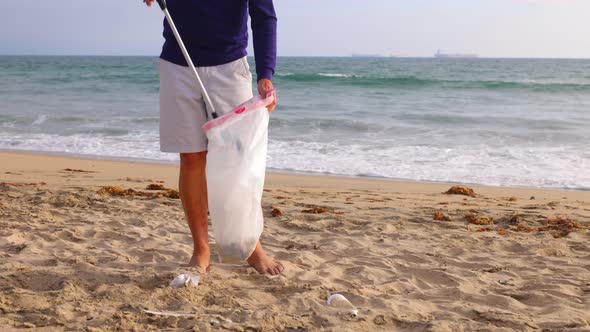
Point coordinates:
pixel 264 86
pixel 148 2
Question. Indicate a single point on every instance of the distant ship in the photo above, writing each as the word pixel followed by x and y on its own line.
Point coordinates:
pixel 442 55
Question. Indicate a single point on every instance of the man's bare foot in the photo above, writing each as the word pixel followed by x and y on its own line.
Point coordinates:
pixel 260 261
pixel 201 259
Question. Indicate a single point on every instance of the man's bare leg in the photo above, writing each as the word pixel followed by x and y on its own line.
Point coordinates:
pixel 193 194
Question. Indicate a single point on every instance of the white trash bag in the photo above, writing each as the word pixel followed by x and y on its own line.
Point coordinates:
pixel 236 166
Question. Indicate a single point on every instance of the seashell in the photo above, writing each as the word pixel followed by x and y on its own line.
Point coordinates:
pixel 341 302
pixel 185 280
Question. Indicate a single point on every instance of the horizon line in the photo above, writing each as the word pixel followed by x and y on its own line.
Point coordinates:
pixel 314 56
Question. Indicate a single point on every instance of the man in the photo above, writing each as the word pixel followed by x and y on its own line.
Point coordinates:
pixel 215 33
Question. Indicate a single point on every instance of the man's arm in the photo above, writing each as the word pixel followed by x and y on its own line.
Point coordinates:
pixel 264 35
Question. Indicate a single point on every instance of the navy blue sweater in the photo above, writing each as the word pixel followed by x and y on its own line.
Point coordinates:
pixel 216 32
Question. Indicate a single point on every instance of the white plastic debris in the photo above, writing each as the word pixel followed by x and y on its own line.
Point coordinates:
pixel 219 320
pixel 185 280
pixel 169 313
pixel 341 302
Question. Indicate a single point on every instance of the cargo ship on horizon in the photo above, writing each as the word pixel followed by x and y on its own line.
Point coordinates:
pixel 442 55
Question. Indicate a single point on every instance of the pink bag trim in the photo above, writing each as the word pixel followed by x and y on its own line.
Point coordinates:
pixel 248 106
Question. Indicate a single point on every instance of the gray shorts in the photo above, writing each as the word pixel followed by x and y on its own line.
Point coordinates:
pixel 182 106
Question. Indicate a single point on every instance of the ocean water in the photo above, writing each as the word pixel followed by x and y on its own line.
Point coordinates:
pixel 487 121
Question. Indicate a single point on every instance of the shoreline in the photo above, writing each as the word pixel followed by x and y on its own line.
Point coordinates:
pixel 271 171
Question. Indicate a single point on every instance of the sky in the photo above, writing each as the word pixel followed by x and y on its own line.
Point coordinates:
pixel 490 28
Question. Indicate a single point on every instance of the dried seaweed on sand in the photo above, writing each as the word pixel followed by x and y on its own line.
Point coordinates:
pixel 459 190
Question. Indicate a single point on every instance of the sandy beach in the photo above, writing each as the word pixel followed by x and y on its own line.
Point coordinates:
pixel 76 256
